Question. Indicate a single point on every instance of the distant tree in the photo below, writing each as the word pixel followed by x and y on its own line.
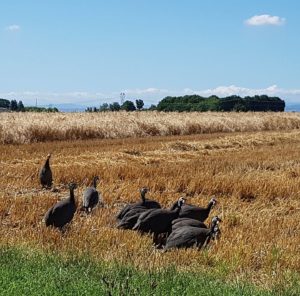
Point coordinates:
pixel 139 104
pixel 21 107
pixel 128 106
pixel 115 106
pixel 152 107
pixel 89 109
pixel 4 103
pixel 104 107
pixel 95 109
pixel 13 106
pixel 40 109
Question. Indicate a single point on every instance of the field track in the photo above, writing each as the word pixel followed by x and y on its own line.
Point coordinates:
pixel 255 176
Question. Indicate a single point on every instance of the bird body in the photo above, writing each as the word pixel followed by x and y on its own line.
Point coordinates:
pixel 91 196
pixel 190 236
pixel 131 217
pixel 197 213
pixel 182 222
pixel 158 220
pixel 62 212
pixel 146 203
pixel 45 174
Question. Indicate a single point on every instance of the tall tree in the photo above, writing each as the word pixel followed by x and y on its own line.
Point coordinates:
pixel 104 107
pixel 139 104
pixel 128 106
pixel 21 107
pixel 13 105
pixel 115 106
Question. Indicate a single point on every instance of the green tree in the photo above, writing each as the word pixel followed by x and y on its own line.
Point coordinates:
pixel 152 107
pixel 128 106
pixel 139 104
pixel 21 107
pixel 4 103
pixel 115 106
pixel 13 106
pixel 104 107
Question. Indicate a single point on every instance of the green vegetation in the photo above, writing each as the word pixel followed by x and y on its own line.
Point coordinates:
pixel 41 109
pixel 13 105
pixel 33 273
pixel 4 103
pixel 214 103
pixel 115 106
pixel 195 103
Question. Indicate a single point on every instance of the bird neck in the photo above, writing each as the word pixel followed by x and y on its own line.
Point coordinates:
pixel 212 228
pixel 210 204
pixel 143 196
pixel 178 208
pixel 95 182
pixel 47 163
pixel 72 196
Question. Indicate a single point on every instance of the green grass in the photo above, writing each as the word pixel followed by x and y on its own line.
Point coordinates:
pixel 24 272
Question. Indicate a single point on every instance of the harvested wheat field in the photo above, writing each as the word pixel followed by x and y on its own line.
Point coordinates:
pixel 254 175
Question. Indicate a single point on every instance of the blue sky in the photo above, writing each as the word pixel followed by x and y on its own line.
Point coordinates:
pixel 89 51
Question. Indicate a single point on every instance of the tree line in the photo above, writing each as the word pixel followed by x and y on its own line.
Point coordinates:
pixel 126 106
pixel 15 106
pixel 188 103
pixel 213 103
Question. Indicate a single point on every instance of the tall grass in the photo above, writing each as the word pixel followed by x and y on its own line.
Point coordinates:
pixel 18 128
pixel 30 273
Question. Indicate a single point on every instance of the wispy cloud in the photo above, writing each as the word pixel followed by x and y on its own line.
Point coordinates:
pixel 13 28
pixel 265 19
pixel 149 95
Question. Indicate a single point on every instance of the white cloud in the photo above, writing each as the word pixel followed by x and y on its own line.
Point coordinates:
pixel 13 28
pixel 265 19
pixel 149 95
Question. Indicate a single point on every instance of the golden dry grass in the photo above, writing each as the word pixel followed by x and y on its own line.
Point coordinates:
pixel 18 128
pixel 255 177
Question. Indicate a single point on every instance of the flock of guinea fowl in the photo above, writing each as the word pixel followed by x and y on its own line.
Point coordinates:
pixel 181 226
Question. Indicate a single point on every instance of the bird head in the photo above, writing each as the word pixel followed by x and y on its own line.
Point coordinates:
pixel 215 220
pixel 49 155
pixel 144 190
pixel 213 201
pixel 216 233
pixel 181 201
pixel 72 186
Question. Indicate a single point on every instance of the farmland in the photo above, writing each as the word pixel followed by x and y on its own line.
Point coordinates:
pixel 249 162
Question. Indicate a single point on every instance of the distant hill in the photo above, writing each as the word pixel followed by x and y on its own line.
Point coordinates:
pixel 68 107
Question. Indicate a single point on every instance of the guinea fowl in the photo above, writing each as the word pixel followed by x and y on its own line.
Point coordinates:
pixel 188 236
pixel 146 203
pixel 131 217
pixel 45 174
pixel 197 213
pixel 62 212
pixel 181 222
pixel 158 221
pixel 91 196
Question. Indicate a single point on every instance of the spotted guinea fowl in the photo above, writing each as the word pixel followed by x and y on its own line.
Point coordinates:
pixel 195 212
pixel 45 174
pixel 146 203
pixel 91 196
pixel 188 236
pixel 63 212
pixel 181 222
pixel 158 221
